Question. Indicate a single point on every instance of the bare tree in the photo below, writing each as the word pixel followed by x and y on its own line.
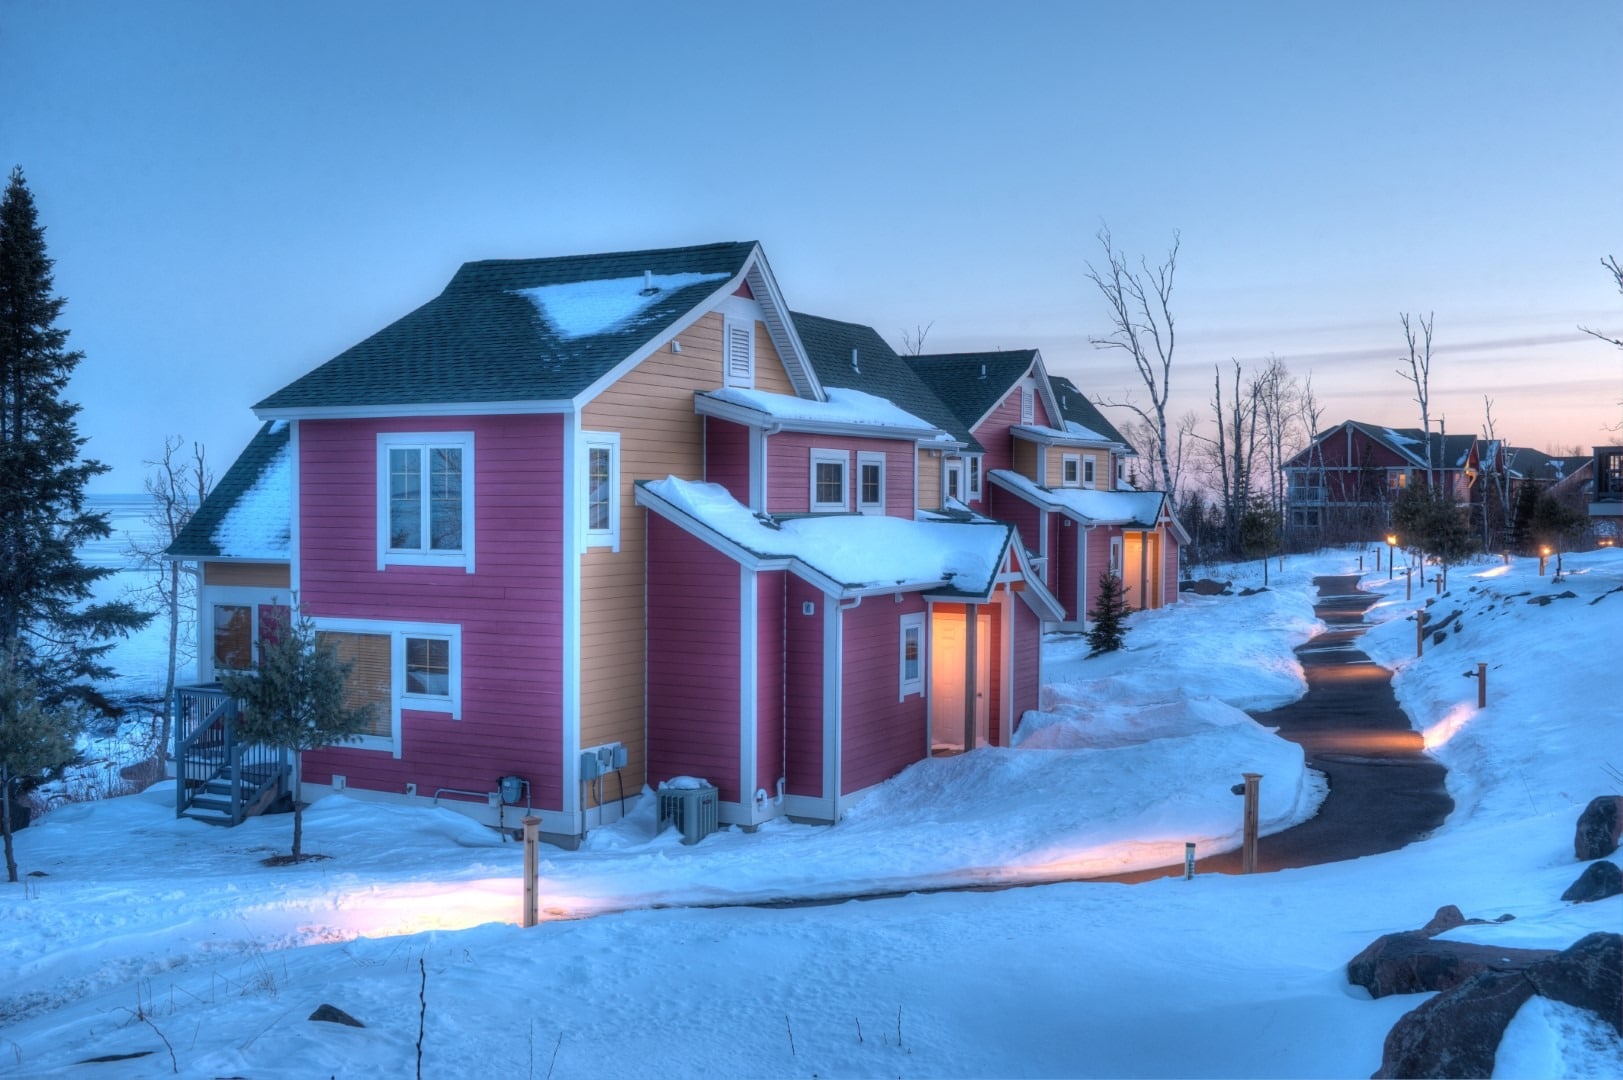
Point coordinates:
pixel 913 343
pixel 1140 305
pixel 1278 398
pixel 177 486
pixel 1419 374
pixel 1309 414
pixel 1496 509
pixel 1144 438
pixel 1233 450
pixel 1616 270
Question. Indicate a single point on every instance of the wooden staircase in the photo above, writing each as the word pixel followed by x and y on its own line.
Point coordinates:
pixel 219 778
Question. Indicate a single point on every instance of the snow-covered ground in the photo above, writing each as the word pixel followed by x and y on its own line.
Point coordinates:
pixel 148 933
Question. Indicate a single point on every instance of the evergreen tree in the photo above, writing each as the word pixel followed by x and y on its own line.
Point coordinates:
pixel 33 738
pixel 60 638
pixel 1109 614
pixel 294 700
pixel 1555 524
pixel 1521 528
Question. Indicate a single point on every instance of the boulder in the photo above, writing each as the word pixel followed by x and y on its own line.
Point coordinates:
pixel 1588 975
pixel 1599 828
pixel 1598 881
pixel 1410 962
pixel 1456 1033
pixel 1206 587
pixel 332 1014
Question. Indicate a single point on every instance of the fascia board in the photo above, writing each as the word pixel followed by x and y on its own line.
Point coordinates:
pixel 1060 438
pixel 436 408
pixel 1050 402
pixel 757 262
pixel 705 405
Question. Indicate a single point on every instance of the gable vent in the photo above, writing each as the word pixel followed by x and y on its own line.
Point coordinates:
pixel 740 354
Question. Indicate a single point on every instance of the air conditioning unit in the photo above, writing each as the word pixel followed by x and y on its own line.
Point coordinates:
pixel 692 810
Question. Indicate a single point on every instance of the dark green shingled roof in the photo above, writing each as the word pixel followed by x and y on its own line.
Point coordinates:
pixel 196 539
pixel 1075 406
pixel 481 340
pixel 881 372
pixel 971 383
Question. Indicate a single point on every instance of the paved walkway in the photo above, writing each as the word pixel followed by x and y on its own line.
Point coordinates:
pixel 1385 791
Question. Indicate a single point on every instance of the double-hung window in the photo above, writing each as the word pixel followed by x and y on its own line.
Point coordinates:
pixel 870 482
pixel 912 656
pixel 1070 470
pixel 1089 476
pixel 425 499
pixel 828 485
pixel 602 494
pixel 972 466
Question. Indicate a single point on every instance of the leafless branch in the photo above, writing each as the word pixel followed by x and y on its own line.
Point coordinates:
pixel 913 343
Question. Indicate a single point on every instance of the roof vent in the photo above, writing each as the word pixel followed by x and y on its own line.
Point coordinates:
pixel 648 288
pixel 854 366
pixel 983 371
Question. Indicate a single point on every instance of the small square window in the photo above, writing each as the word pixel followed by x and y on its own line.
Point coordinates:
pixel 428 666
pixel 1070 470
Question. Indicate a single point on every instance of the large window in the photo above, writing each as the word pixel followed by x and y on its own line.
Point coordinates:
pixel 828 479
pixel 602 509
pixel 870 482
pixel 397 666
pixel 425 499
pixel 912 655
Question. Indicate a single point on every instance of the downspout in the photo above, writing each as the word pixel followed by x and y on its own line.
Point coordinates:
pixel 971 662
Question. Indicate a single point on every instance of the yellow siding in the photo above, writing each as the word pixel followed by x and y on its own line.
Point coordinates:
pixel 660 435
pixel 1101 466
pixel 929 482
pixel 1025 460
pixel 264 575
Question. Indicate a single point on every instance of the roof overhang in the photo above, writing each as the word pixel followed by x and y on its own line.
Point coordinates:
pixel 706 405
pixel 436 408
pixel 1054 437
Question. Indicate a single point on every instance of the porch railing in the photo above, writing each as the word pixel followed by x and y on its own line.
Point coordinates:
pixel 219 776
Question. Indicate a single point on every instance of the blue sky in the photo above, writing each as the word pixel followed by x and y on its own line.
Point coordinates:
pixel 236 192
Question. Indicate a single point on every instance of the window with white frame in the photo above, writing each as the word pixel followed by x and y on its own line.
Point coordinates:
pixel 425 499
pixel 912 655
pixel 1089 476
pixel 972 466
pixel 1028 406
pixel 870 482
pixel 601 510
pixel 394 667
pixel 828 484
pixel 739 336
pixel 1070 470
pixel 237 621
pixel 1115 555
pixel 953 480
pixel 1121 471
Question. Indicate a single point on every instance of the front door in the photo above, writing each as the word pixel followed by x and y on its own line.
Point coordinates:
pixel 947 656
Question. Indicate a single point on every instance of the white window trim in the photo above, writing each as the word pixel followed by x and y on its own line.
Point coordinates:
pixel 1066 479
pixel 610 440
pixel 948 468
pixel 730 327
pixel 1090 471
pixel 842 458
pixel 254 596
pixel 399 700
pixel 972 477
pixel 870 457
pixel 424 440
pixel 1121 472
pixel 1117 554
pixel 914 685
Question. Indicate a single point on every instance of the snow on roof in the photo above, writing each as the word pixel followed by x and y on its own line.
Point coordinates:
pixel 1074 428
pixel 1092 504
pixel 578 309
pixel 857 551
pixel 842 407
pixel 258 525
pixel 1400 440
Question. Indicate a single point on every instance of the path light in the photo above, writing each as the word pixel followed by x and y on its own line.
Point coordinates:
pixel 1391 556
pixel 1543 557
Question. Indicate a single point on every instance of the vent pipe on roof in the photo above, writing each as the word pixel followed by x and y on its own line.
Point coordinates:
pixel 854 366
pixel 648 284
pixel 983 371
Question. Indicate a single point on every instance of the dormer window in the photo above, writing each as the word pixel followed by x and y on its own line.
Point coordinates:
pixel 828 469
pixel 870 482
pixel 1070 470
pixel 1088 474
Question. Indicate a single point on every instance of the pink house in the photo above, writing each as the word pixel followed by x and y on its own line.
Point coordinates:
pixel 585 523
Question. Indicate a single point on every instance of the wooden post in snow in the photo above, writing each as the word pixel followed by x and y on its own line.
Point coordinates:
pixel 1482 686
pixel 1420 633
pixel 532 868
pixel 971 672
pixel 1248 854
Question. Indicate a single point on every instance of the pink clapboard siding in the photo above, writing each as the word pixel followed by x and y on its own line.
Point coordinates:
pixel 509 610
pixel 727 456
pixel 1069 588
pixel 1169 563
pixel 1027 659
pixel 788 470
pixel 1098 541
pixel 880 736
pixel 993 432
pixel 994 692
pixel 803 687
pixel 1011 508
pixel 693 660
pixel 770 592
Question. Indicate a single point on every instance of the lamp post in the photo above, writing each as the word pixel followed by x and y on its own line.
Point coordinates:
pixel 1543 557
pixel 1391 556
